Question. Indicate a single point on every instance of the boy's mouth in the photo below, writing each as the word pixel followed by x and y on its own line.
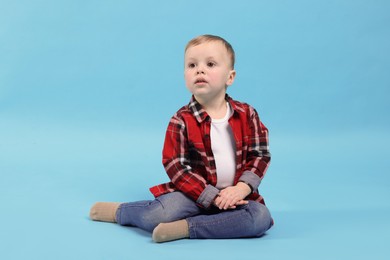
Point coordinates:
pixel 200 81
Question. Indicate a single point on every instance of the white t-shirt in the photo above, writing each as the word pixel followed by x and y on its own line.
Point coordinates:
pixel 224 149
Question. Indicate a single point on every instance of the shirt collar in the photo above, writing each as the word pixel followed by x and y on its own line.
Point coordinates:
pixel 201 114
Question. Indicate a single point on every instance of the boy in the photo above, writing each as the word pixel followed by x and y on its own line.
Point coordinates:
pixel 215 154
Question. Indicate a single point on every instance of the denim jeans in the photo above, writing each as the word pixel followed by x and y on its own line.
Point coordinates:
pixel 251 220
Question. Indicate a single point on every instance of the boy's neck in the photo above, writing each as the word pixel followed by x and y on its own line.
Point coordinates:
pixel 215 108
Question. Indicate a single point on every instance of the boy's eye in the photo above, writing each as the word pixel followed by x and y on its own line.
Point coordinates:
pixel 191 65
pixel 210 64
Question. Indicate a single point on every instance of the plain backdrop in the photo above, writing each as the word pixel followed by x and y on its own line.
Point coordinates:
pixel 87 89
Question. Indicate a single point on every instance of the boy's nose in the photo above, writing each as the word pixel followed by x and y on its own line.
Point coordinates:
pixel 200 70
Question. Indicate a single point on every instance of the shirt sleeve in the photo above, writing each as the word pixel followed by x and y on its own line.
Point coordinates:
pixel 258 156
pixel 177 165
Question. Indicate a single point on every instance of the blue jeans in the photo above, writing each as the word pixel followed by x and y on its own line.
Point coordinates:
pixel 251 220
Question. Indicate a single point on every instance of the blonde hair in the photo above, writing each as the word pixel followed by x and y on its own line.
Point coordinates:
pixel 211 38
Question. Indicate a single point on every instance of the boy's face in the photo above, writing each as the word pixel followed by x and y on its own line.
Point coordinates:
pixel 208 70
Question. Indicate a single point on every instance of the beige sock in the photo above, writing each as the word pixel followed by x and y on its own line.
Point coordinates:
pixel 165 232
pixel 104 211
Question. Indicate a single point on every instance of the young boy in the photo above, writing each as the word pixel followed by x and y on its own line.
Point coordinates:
pixel 215 154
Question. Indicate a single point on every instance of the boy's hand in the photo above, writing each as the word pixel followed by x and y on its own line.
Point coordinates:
pixel 232 196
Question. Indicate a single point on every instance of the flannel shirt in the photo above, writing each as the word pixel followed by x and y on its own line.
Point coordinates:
pixel 189 161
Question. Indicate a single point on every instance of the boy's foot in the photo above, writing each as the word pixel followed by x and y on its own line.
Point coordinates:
pixel 165 232
pixel 104 211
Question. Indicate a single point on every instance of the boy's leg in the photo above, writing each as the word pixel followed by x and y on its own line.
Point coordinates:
pixel 251 220
pixel 148 214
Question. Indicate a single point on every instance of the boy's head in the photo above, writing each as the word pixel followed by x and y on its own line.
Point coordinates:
pixel 213 38
pixel 209 67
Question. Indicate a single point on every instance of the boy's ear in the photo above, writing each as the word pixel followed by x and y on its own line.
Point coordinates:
pixel 231 77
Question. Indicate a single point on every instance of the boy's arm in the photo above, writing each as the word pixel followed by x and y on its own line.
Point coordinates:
pixel 259 157
pixel 177 166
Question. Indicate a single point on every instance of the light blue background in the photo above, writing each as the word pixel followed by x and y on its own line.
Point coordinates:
pixel 87 89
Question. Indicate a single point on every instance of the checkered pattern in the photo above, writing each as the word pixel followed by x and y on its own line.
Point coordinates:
pixel 188 158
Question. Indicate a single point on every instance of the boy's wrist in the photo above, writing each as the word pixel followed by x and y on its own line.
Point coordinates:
pixel 245 187
pixel 207 197
pixel 251 179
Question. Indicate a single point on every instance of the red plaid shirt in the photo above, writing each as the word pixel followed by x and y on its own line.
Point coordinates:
pixel 189 161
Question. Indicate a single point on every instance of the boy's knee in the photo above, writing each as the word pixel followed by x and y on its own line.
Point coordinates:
pixel 170 207
pixel 262 220
pixel 177 206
